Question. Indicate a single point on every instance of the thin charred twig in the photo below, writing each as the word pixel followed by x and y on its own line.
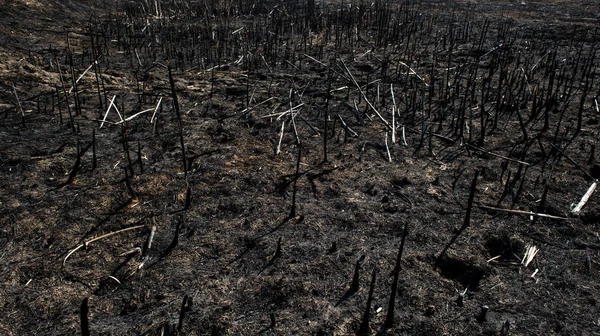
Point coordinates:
pixel 19 103
pixel 498 155
pixel 185 307
pixel 62 82
pixel 562 152
pixel 76 166
pixel 505 328
pixel 126 149
pixel 439 136
pixel 94 160
pixel 130 190
pixel 467 221
pixel 588 263
pixel 276 256
pixel 482 314
pixel 355 285
pixel 188 197
pixel 139 154
pixel 180 122
pixel 389 319
pixel 293 210
pixel 172 245
pixel 364 325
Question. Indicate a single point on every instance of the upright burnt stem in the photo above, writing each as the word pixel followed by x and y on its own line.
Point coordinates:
pixel 296 176
pixel 389 319
pixel 185 307
pixel 364 326
pixel 467 221
pixel 139 154
pixel 355 285
pixel 85 327
pixel 94 161
pixel 177 112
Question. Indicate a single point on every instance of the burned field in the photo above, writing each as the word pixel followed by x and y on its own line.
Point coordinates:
pixel 281 167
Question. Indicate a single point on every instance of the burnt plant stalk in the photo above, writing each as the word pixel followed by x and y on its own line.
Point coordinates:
pixel 389 319
pixel 180 122
pixel 139 154
pixel 76 166
pixel 296 176
pixel 467 221
pixel 85 327
pixel 94 160
pixel 364 325
pixel 185 307
pixel 355 285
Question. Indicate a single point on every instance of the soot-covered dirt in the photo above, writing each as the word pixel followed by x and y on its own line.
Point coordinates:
pixel 257 156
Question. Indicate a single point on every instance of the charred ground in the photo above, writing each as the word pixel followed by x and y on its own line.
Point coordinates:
pixel 505 89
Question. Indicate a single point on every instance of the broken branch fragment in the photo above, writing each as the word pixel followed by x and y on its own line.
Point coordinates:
pixel 585 198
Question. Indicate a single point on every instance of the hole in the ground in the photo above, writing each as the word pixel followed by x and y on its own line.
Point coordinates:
pixel 505 247
pixel 464 272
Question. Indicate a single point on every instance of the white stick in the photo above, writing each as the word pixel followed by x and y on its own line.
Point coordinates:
pixel 237 31
pixel 80 77
pixel 108 110
pixel 413 72
pixel 530 253
pixel 138 55
pixel 521 212
pixel 354 134
pixel 155 110
pixel 365 97
pixel 280 139
pixel 387 148
pixel 85 244
pixel 281 114
pixel 152 233
pixel 135 115
pixel 18 101
pixel 118 112
pixel 295 130
pixel 585 198
pixel 248 109
pixel 393 114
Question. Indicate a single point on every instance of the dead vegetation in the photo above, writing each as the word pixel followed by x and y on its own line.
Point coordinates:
pixel 281 167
